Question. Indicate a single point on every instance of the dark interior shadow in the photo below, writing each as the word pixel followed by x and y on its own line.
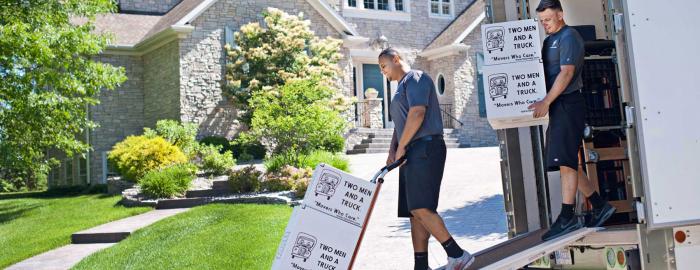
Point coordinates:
pixel 473 220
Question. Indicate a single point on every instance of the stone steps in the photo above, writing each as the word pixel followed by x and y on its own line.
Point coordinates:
pixel 386 145
pixel 448 140
pixel 378 140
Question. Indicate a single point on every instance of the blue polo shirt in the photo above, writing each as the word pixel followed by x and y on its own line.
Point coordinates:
pixel 563 48
pixel 416 89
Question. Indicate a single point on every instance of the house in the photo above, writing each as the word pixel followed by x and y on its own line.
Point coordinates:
pixel 173 54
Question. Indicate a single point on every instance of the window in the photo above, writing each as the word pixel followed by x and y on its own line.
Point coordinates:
pixel 440 87
pixel 383 4
pixel 398 5
pixel 56 174
pixel 69 171
pixel 392 10
pixel 441 8
pixel 83 170
pixel 480 84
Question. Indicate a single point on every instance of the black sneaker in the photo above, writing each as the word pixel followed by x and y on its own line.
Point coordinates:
pixel 599 216
pixel 561 227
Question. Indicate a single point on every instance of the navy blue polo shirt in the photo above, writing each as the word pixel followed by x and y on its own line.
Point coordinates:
pixel 563 48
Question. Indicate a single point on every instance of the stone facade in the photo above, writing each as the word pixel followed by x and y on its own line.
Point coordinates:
pixel 120 112
pixel 147 6
pixel 461 91
pixel 183 79
pixel 202 60
pixel 162 84
pixel 478 133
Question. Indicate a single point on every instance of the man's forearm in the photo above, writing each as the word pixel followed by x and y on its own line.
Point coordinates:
pixel 413 123
pixel 563 79
pixel 393 145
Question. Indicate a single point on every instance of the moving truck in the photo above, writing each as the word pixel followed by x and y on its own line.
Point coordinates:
pixel 641 145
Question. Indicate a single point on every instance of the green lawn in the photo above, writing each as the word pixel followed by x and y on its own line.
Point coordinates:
pixel 215 236
pixel 34 222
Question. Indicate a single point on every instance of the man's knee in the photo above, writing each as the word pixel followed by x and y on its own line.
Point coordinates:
pixel 421 213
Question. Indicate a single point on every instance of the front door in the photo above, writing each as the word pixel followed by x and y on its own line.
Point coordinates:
pixel 372 77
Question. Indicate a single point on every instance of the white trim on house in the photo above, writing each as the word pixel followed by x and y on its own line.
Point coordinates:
pixel 355 41
pixel 154 42
pixel 470 28
pixel 367 55
pixel 456 45
pixel 332 17
pixel 452 49
pixel 196 12
pixel 377 14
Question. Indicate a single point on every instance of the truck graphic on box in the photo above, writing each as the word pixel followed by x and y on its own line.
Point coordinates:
pixel 495 38
pixel 327 184
pixel 498 85
pixel 303 246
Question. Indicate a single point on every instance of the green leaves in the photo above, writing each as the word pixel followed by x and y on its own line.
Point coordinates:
pixel 285 49
pixel 48 80
pixel 296 117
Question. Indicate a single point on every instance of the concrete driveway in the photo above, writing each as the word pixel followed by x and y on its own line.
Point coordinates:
pixel 471 203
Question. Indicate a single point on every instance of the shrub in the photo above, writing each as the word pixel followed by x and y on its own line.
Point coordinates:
pixel 168 182
pixel 310 161
pixel 334 144
pixel 214 162
pixel 288 178
pixel 181 135
pixel 218 141
pixel 136 155
pixel 245 143
pixel 269 54
pixel 301 186
pixel 245 157
pixel 277 162
pixel 245 180
pixel 297 117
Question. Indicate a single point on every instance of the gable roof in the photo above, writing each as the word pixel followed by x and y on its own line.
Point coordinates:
pixel 460 27
pixel 131 30
pixel 128 29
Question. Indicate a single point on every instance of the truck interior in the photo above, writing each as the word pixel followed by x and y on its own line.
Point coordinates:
pixel 533 196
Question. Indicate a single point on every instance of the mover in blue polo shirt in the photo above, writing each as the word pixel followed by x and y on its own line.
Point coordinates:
pixel 418 135
pixel 563 54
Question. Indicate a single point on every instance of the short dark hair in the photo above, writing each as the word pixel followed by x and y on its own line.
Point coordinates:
pixel 553 4
pixel 390 52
